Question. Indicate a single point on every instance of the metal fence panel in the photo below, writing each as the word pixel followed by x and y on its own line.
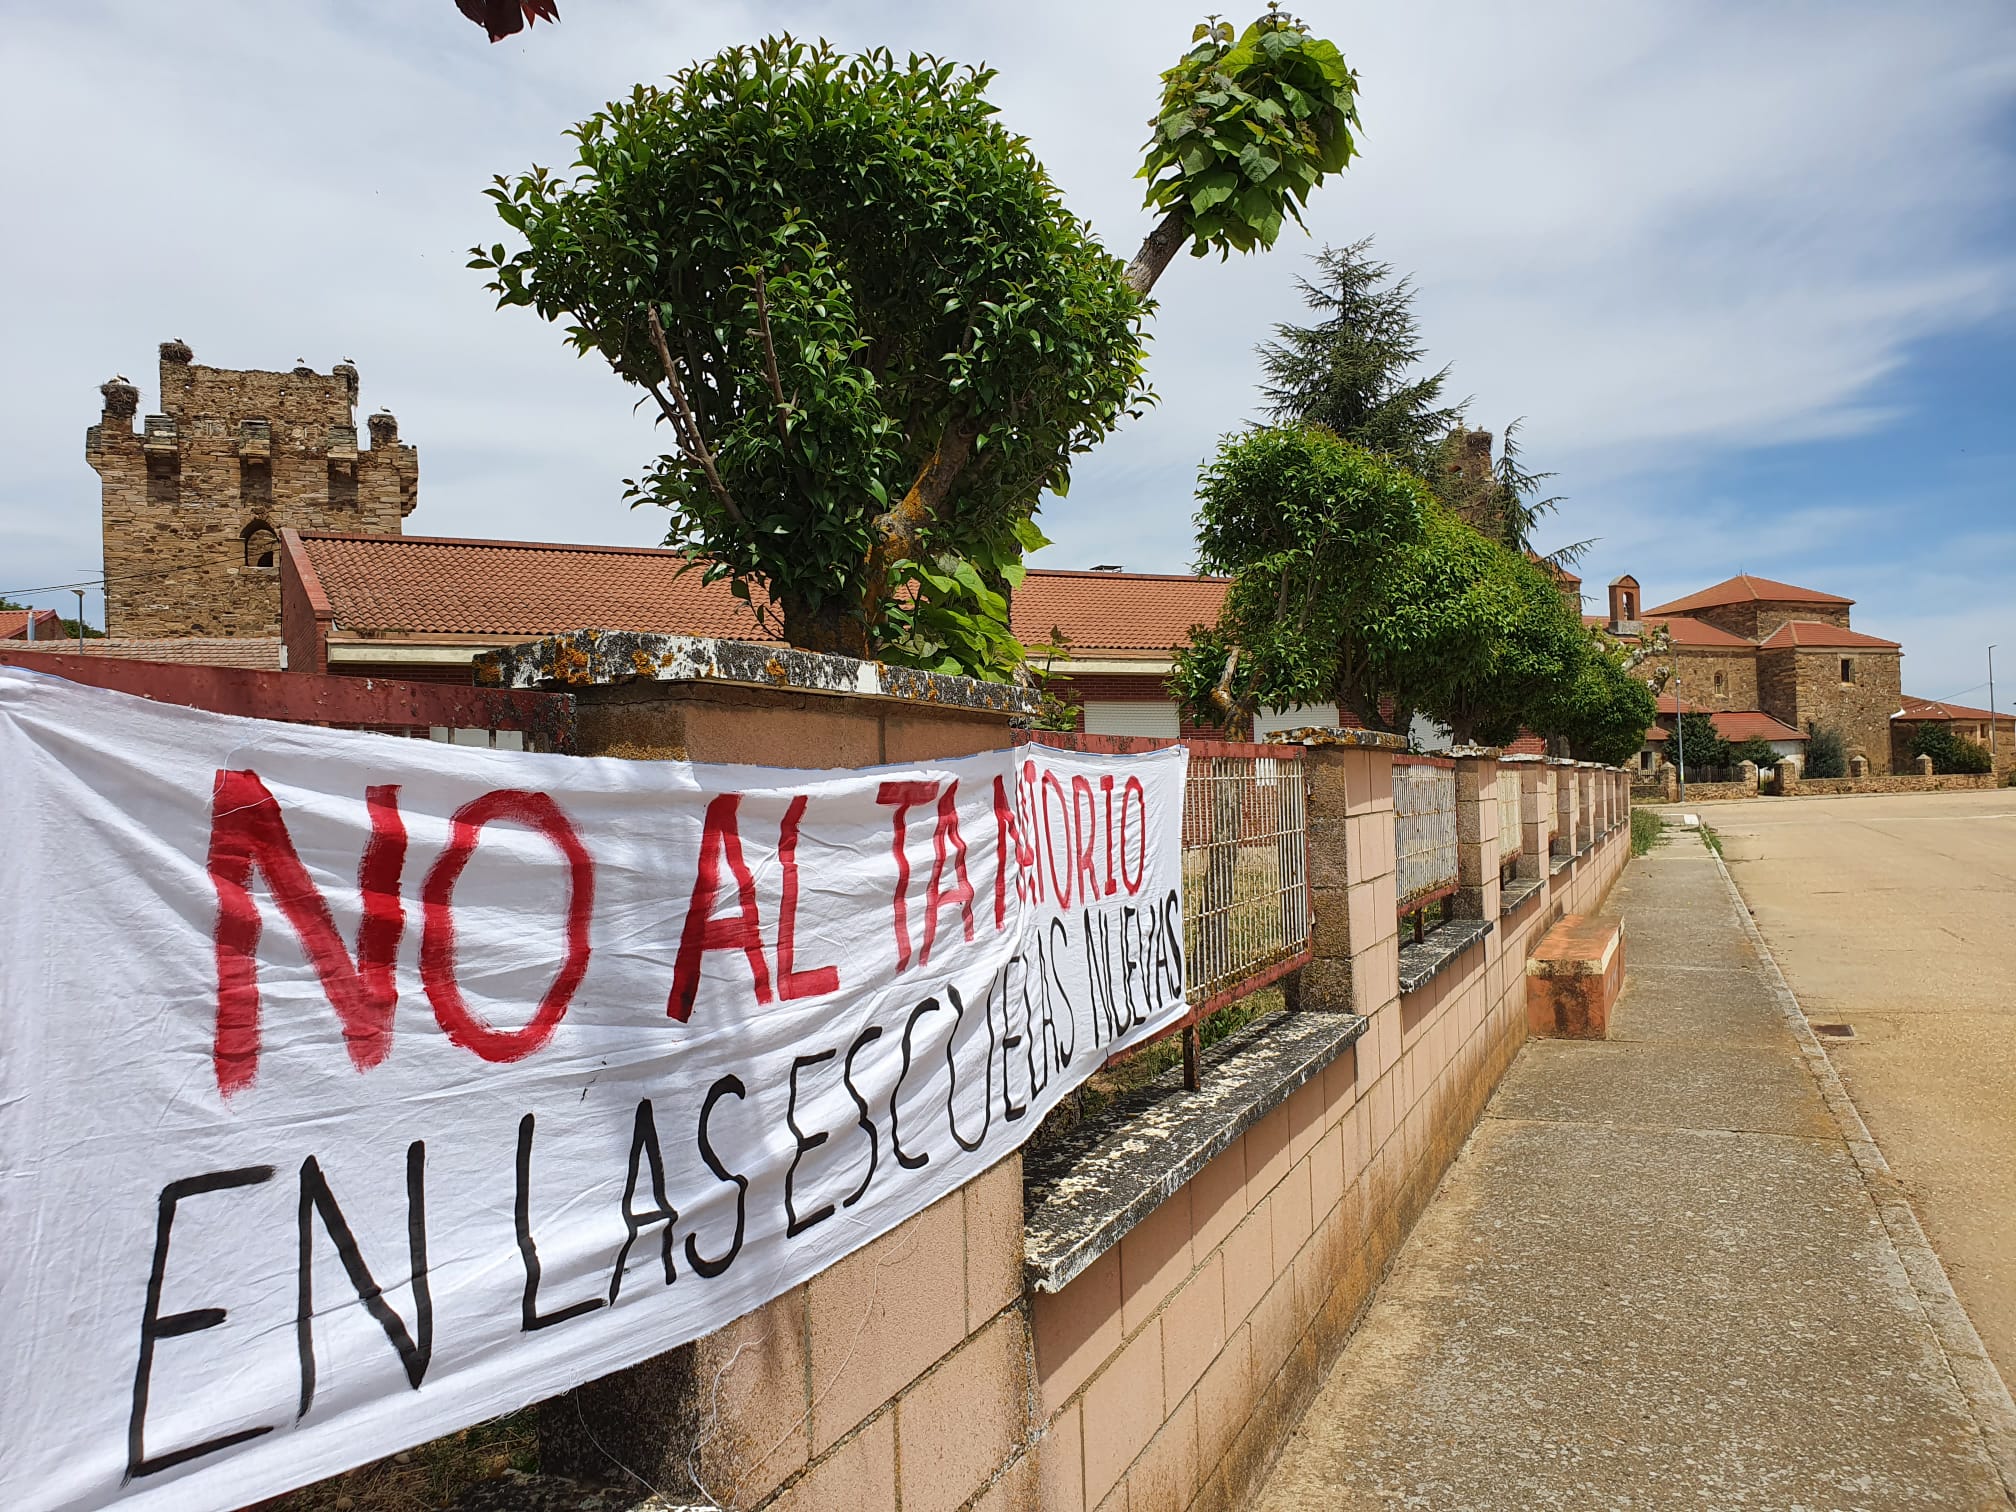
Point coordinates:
pixel 1424 829
pixel 1509 824
pixel 1245 870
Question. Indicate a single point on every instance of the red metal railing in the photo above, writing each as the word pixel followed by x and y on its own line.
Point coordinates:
pixel 437 711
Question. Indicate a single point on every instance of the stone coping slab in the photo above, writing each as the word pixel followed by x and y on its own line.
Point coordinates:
pixel 1422 962
pixel 603 658
pixel 1514 895
pixel 1559 865
pixel 1325 736
pixel 1082 1193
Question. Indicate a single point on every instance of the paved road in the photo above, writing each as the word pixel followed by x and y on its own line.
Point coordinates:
pixel 1897 916
pixel 1665 1272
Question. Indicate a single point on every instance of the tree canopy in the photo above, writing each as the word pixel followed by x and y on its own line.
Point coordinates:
pixel 875 332
pixel 1355 369
pixel 1351 582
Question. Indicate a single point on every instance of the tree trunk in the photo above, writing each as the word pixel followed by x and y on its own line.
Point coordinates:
pixel 830 628
pixel 1161 245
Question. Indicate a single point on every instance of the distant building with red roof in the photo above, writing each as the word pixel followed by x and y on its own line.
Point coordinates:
pixel 30 625
pixel 1769 660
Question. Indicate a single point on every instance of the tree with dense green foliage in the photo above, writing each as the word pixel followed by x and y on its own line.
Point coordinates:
pixel 1700 746
pixel 1602 712
pixel 1826 753
pixel 1951 754
pixel 1351 583
pixel 1355 369
pixel 1756 750
pixel 875 332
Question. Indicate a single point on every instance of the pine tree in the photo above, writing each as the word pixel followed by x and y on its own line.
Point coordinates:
pixel 1350 371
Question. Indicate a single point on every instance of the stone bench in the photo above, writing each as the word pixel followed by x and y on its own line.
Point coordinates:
pixel 1573 978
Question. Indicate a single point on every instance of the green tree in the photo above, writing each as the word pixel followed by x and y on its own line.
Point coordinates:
pixel 1826 752
pixel 1351 583
pixel 1354 370
pixel 1701 744
pixel 1756 749
pixel 1604 711
pixel 875 332
pixel 1950 753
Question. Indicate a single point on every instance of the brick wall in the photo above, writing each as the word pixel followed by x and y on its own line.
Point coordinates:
pixel 192 501
pixel 1170 1372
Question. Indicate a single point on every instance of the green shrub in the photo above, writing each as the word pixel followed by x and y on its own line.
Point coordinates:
pixel 1826 752
pixel 1756 749
pixel 1645 829
pixel 1705 749
pixel 1950 753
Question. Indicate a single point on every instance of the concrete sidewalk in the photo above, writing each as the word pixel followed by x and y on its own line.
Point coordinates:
pixel 1668 1270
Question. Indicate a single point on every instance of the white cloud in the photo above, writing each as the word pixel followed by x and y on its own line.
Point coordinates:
pixel 1661 234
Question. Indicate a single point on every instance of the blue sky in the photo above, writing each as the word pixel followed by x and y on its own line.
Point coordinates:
pixel 1748 272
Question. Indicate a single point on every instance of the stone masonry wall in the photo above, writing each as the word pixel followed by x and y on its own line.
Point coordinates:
pixel 1755 621
pixel 1912 784
pixel 193 504
pixel 1802 685
pixel 1698 669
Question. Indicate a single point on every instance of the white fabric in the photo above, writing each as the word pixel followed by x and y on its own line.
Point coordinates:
pixel 131 1069
pixel 1131 716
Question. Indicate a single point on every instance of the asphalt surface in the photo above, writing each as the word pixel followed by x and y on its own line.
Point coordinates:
pixel 1897 917
pixel 1668 1270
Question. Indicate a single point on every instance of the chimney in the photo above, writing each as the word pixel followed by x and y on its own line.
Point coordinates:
pixel 1624 606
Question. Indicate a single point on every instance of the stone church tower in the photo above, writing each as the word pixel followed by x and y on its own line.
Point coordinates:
pixel 194 503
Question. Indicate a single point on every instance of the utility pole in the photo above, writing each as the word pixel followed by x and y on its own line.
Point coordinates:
pixel 1991 709
pixel 80 619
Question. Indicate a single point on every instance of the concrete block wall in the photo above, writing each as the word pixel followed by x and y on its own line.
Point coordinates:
pixel 1170 1372
pixel 918 1374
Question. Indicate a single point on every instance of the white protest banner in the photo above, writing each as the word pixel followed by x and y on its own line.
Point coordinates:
pixel 356 1089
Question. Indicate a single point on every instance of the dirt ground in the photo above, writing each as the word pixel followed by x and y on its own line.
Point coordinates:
pixel 1896 915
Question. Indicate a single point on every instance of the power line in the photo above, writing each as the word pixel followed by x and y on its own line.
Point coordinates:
pixel 117 577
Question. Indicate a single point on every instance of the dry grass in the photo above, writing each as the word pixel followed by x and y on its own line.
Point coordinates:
pixel 423 1479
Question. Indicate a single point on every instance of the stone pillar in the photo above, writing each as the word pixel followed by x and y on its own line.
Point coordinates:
pixel 731 1414
pixel 1564 807
pixel 1585 818
pixel 1858 766
pixel 1746 773
pixel 1354 931
pixel 1669 782
pixel 1533 819
pixel 1476 838
pixel 1924 766
pixel 1788 776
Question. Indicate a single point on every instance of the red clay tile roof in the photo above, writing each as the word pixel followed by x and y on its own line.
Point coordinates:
pixel 1803 633
pixel 1685 631
pixel 1737 724
pixel 430 585
pixel 1752 724
pixel 1693 632
pixel 1745 589
pixel 262 653
pixel 1935 709
pixel 14 624
pixel 1120 611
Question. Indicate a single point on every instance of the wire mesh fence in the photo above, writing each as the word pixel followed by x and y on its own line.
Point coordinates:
pixel 1245 868
pixel 1424 829
pixel 1509 819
